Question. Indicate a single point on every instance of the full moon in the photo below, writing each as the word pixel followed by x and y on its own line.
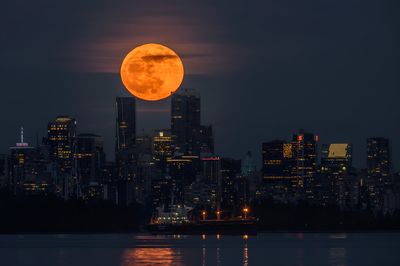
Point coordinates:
pixel 152 72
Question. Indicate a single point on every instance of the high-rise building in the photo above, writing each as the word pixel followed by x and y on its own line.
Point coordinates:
pixel 277 156
pixel 230 169
pixel 212 175
pixel 277 169
pixel 125 124
pixel 61 137
pixel 185 121
pixel 163 146
pixel 125 137
pixel 206 140
pixel 242 192
pixel 335 181
pixel 145 168
pixel 182 172
pixel 125 153
pixel 90 159
pixel 144 145
pixel 25 169
pixel 304 151
pixel 378 169
pixel 379 160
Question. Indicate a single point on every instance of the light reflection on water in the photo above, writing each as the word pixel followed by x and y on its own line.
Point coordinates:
pixel 148 256
pixel 245 255
pixel 214 255
pixel 186 250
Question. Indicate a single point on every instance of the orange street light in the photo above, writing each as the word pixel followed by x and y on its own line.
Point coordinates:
pixel 203 213
pixel 245 210
pixel 218 215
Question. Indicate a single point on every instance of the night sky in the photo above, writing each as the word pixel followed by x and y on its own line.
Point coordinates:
pixel 264 68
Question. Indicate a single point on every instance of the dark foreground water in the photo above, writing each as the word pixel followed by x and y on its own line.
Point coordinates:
pixel 264 249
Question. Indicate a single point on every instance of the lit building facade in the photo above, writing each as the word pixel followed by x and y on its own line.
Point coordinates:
pixel 304 152
pixel 163 146
pixel 277 169
pixel 336 180
pixel 90 160
pixel 61 137
pixel 378 169
pixel 26 169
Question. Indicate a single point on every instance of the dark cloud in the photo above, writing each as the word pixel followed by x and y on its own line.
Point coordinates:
pixel 158 57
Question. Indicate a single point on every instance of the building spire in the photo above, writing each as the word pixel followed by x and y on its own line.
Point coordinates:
pixel 22 134
pixel 22 143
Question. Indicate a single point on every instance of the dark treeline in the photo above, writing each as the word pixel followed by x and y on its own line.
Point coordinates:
pixel 303 217
pixel 49 214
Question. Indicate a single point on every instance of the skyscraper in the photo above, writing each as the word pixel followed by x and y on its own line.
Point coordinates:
pixel 182 172
pixel 304 149
pixel 125 136
pixel 277 169
pixel 125 124
pixel 90 159
pixel 61 134
pixel 213 176
pixel 125 154
pixel 185 121
pixel 379 160
pixel 277 157
pixel 335 183
pixel 206 139
pixel 230 169
pixel 378 169
pixel 24 168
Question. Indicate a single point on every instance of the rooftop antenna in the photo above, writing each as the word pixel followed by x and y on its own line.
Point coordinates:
pixel 22 134
pixel 22 143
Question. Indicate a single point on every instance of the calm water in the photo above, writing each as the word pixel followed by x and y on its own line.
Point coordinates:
pixel 265 249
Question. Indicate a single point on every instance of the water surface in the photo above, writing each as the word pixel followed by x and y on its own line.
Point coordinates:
pixel 140 249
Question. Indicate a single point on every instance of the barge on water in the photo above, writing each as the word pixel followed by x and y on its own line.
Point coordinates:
pixel 175 221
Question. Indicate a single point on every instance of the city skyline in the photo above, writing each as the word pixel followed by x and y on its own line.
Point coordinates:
pixel 359 158
pixel 178 166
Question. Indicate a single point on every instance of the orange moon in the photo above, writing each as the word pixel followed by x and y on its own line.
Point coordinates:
pixel 152 72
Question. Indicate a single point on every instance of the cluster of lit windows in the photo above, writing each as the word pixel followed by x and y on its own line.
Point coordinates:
pixel 35 187
pixel 172 219
pixel 83 155
pixel 287 150
pixel 273 162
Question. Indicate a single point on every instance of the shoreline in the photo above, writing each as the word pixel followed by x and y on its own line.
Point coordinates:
pixel 289 231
